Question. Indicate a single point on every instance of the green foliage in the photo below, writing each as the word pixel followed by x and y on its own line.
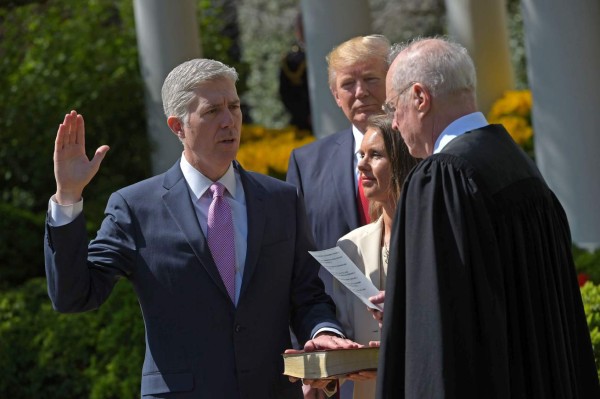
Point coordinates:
pixel 588 263
pixel 59 55
pixel 590 294
pixel 44 354
pixel 21 251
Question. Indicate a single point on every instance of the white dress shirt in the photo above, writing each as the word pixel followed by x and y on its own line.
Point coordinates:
pixel 358 137
pixel 464 124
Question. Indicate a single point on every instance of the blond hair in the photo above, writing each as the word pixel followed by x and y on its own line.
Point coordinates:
pixel 360 49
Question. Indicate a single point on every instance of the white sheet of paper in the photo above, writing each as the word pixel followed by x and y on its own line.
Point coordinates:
pixel 346 272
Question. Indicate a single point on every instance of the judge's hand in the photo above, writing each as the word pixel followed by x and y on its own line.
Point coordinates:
pixel 72 168
pixel 322 341
pixel 365 375
pixel 378 299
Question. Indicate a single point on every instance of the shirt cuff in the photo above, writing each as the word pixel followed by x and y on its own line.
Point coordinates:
pixel 328 329
pixel 60 215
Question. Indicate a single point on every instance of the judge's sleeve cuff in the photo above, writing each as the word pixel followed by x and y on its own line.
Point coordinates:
pixel 60 215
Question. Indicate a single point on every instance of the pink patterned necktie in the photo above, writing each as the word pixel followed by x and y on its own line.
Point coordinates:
pixel 220 237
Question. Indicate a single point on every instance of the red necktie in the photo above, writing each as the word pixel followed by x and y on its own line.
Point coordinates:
pixel 363 204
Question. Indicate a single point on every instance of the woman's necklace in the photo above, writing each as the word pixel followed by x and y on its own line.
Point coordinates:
pixel 386 253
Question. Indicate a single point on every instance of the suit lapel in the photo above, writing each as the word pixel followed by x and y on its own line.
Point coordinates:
pixel 371 249
pixel 256 212
pixel 343 177
pixel 179 204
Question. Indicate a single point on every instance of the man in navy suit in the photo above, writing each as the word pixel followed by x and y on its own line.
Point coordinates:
pixel 325 171
pixel 201 340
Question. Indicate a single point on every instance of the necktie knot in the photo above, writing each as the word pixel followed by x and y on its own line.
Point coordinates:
pixel 217 190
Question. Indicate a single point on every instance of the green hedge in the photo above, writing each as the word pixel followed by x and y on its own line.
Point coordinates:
pixel 21 247
pixel 587 264
pixel 590 294
pixel 44 354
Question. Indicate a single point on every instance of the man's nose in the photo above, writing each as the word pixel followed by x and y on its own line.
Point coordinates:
pixel 227 119
pixel 362 89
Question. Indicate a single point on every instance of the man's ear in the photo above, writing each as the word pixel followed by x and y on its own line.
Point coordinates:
pixel 421 98
pixel 176 126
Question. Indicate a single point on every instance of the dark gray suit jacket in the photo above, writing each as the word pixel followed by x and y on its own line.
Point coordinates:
pixel 198 344
pixel 323 173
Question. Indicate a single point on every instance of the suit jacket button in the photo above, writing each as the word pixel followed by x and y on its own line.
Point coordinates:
pixel 238 328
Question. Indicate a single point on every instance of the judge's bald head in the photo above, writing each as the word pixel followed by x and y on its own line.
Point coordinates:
pixel 440 64
pixel 430 83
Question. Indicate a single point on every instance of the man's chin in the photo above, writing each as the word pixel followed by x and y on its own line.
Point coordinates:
pixel 364 114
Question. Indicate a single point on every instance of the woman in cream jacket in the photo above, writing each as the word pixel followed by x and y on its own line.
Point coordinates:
pixel 384 164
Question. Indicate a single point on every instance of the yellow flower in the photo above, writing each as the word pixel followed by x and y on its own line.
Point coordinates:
pixel 514 102
pixel 268 150
pixel 513 110
pixel 517 127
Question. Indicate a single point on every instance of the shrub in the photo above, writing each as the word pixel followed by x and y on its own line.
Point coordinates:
pixel 587 264
pixel 44 354
pixel 590 294
pixel 21 252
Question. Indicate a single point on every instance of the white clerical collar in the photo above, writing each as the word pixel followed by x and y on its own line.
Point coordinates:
pixel 199 183
pixel 464 124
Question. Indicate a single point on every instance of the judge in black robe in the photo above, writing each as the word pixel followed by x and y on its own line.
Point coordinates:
pixel 482 299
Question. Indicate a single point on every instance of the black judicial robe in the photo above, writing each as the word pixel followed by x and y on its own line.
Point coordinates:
pixel 482 299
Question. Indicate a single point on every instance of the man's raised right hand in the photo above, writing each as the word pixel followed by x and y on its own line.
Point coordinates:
pixel 72 168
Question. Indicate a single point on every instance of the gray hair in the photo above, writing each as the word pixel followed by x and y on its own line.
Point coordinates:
pixel 440 64
pixel 179 86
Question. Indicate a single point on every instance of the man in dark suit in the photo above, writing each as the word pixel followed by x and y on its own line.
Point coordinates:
pixel 216 318
pixel 482 300
pixel 325 171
